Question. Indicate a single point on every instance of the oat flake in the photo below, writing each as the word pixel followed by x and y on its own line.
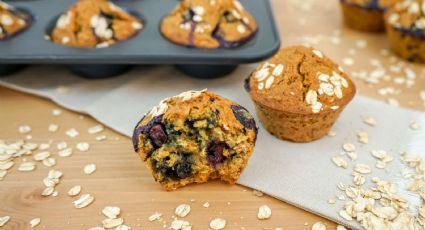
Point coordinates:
pixel 218 224
pixel 89 169
pixel 4 220
pixel 34 222
pixel 111 212
pixel 84 201
pixel 112 223
pixel 318 226
pixel 155 216
pixel 264 212
pixel 74 190
pixel 182 210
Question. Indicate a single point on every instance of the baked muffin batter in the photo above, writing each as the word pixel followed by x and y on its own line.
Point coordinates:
pixel 365 15
pixel 194 137
pixel 94 23
pixel 299 93
pixel 12 21
pixel 406 29
pixel 209 24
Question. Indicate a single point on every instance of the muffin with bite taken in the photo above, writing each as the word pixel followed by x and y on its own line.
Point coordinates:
pixel 209 24
pixel 195 137
pixel 405 23
pixel 365 15
pixel 94 24
pixel 299 93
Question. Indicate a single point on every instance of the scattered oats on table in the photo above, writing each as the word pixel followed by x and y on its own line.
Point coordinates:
pixel 155 216
pixel 84 201
pixel 83 146
pixel 112 223
pixel 34 222
pixel 318 226
pixel 264 212
pixel 218 224
pixel 182 210
pixel 89 169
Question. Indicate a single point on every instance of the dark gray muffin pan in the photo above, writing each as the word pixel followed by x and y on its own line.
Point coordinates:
pixel 147 47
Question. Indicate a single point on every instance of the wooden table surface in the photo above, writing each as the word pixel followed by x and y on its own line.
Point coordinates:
pixel 122 180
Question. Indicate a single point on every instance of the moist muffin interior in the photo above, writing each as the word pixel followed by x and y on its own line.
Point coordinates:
pixel 94 24
pixel 211 139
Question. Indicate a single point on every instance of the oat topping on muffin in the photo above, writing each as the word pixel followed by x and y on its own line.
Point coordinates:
pixel 409 15
pixel 299 93
pixel 194 137
pixel 12 20
pixel 94 24
pixel 209 24
pixel 305 75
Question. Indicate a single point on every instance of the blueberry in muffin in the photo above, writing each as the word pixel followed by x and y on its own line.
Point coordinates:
pixel 405 23
pixel 365 15
pixel 209 24
pixel 12 21
pixel 299 93
pixel 94 24
pixel 195 137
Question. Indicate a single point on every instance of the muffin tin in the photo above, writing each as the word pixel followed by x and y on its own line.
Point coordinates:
pixel 147 47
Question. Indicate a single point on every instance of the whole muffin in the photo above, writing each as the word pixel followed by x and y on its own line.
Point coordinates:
pixel 195 137
pixel 12 21
pixel 94 24
pixel 405 23
pixel 209 24
pixel 299 93
pixel 365 15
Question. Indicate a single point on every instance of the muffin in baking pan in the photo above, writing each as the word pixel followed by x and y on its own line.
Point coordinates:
pixel 209 24
pixel 299 93
pixel 195 137
pixel 405 23
pixel 365 15
pixel 94 24
pixel 12 20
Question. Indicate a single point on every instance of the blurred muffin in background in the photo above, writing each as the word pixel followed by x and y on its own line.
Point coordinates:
pixel 209 24
pixel 405 23
pixel 94 24
pixel 365 15
pixel 12 21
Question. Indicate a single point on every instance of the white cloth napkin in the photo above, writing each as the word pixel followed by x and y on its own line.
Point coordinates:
pixel 300 174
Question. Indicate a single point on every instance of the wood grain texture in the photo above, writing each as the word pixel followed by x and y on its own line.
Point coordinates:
pixel 121 178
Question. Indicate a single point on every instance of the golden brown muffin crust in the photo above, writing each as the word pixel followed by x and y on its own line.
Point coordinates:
pixel 301 80
pixel 11 20
pixel 208 24
pixel 94 23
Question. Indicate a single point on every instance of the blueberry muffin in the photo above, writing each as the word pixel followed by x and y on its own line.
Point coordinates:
pixel 209 24
pixel 299 93
pixel 195 137
pixel 94 24
pixel 12 21
pixel 365 15
pixel 405 23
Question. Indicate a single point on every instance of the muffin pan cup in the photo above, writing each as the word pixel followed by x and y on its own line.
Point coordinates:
pixel 147 47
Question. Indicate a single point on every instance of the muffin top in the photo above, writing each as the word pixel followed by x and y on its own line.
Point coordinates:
pixel 300 80
pixel 94 23
pixel 12 20
pixel 371 4
pixel 408 15
pixel 200 109
pixel 209 24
